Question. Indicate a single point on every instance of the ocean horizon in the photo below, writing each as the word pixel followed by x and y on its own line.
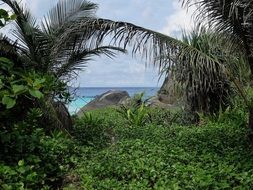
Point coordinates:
pixel 83 95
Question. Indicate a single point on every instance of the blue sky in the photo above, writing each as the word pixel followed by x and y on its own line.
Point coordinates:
pixel 165 16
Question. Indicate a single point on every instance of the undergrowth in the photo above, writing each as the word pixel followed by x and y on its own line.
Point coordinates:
pixel 106 151
pixel 214 154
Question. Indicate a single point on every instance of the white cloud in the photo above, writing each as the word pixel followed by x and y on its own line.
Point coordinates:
pixel 122 71
pixel 180 19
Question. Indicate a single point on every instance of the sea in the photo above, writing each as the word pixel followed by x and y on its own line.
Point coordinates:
pixel 83 95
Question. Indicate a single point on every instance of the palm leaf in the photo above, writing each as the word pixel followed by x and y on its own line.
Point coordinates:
pixel 67 11
pixel 77 60
pixel 28 33
pixel 150 44
pixel 231 16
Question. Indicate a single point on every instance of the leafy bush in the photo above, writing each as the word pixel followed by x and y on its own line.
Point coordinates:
pixel 151 157
pixel 214 155
pixel 90 130
pixel 160 116
pixel 135 112
pixel 136 115
pixel 22 90
pixel 31 159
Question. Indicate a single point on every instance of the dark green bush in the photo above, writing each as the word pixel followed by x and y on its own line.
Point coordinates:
pixel 212 158
pixel 161 116
pixel 31 159
pixel 91 130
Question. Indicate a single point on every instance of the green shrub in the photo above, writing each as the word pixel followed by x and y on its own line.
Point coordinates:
pixel 167 117
pixel 90 130
pixel 213 156
pixel 32 159
pixel 136 115
pixel 235 114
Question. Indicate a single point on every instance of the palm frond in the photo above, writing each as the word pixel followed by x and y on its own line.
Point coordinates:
pixel 27 32
pixel 63 15
pixel 231 16
pixel 77 60
pixel 10 50
pixel 67 11
pixel 148 43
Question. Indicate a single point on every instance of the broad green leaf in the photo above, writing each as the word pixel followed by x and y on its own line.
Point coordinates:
pixel 21 163
pixel 18 89
pixel 36 93
pixel 9 102
pixel 38 83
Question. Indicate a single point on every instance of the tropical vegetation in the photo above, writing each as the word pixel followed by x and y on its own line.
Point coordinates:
pixel 133 146
pixel 34 52
pixel 231 20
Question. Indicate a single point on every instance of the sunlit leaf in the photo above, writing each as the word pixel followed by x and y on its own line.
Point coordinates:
pixel 36 93
pixel 18 89
pixel 9 102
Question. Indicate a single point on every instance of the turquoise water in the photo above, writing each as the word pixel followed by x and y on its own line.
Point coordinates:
pixel 78 103
pixel 84 95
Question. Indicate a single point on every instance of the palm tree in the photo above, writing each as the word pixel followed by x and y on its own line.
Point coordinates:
pixel 235 18
pixel 35 42
pixel 230 18
pixel 218 95
pixel 211 99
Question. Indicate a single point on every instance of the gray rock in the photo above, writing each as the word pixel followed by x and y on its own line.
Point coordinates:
pixel 169 93
pixel 109 98
pixel 169 96
pixel 155 102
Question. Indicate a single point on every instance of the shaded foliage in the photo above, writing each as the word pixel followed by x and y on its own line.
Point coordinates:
pixel 220 91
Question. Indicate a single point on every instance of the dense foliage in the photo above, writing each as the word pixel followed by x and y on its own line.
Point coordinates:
pixel 213 155
pixel 133 147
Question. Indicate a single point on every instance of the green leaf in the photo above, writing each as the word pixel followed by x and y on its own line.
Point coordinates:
pixel 13 17
pixel 38 83
pixel 18 89
pixel 3 13
pixel 5 60
pixel 36 93
pixel 6 63
pixel 9 102
pixel 21 163
pixel 1 84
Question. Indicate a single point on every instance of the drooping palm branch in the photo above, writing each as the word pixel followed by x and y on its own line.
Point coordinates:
pixel 37 40
pixel 231 16
pixel 152 45
pixel 210 100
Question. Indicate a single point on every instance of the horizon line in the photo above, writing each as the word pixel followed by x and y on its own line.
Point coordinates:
pixel 115 86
